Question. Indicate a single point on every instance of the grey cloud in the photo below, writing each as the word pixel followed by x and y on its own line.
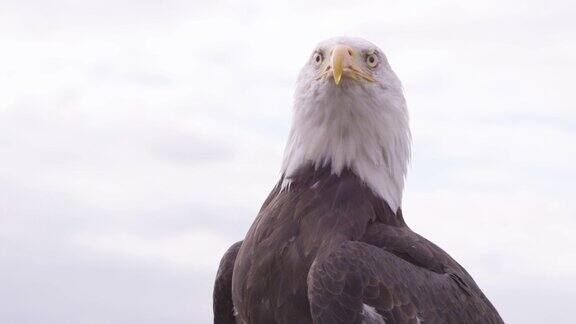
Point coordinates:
pixel 71 286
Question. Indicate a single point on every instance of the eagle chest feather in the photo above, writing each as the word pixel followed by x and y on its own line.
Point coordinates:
pixel 320 209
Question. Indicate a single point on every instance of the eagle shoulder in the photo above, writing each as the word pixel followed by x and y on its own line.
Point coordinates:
pixel 401 275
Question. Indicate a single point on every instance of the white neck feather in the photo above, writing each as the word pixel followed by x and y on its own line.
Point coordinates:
pixel 363 127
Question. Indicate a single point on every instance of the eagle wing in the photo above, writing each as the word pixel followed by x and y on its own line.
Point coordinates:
pixel 222 297
pixel 394 276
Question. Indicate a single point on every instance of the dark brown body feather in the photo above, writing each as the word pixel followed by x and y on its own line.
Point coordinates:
pixel 320 250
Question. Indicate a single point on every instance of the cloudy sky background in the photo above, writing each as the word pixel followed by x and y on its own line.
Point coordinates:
pixel 139 138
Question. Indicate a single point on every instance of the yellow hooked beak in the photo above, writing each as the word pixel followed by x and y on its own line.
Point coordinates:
pixel 342 57
pixel 343 62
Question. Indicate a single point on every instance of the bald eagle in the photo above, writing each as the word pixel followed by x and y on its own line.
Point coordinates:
pixel 330 244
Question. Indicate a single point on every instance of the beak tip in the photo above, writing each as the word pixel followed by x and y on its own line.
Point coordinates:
pixel 337 78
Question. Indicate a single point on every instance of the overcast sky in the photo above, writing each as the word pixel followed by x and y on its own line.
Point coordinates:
pixel 138 140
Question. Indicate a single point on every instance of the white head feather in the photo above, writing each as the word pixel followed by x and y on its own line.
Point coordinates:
pixel 357 124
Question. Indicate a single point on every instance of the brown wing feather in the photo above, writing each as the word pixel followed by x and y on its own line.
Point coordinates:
pixel 401 291
pixel 222 297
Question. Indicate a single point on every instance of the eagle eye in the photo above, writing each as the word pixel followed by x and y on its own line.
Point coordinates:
pixel 371 60
pixel 317 58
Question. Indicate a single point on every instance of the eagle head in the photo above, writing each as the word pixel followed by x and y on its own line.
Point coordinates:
pixel 350 113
